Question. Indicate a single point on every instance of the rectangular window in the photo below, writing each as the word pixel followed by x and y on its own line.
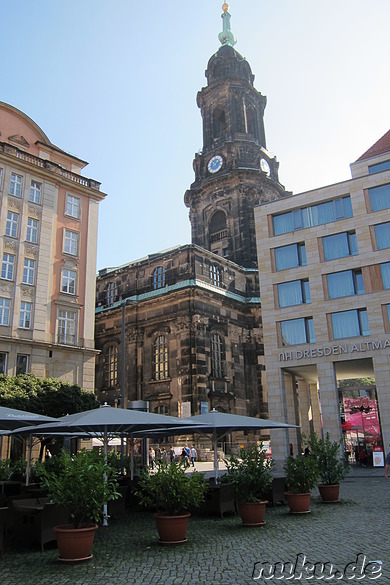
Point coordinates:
pixel 21 364
pixel 320 214
pixel 388 313
pixel 379 197
pixel 72 206
pixel 296 292
pixel 345 283
pixel 66 327
pixel 71 243
pixel 3 363
pixel 340 245
pixel 7 267
pixel 1 176
pixel 215 275
pixel 297 331
pixel 68 284
pixel 290 256
pixel 4 311
pixel 382 235
pixel 28 271
pixel 15 186
pixel 35 192
pixel 32 230
pixel 11 227
pixel 350 324
pixel 379 167
pixel 25 315
pixel 385 270
pixel 112 293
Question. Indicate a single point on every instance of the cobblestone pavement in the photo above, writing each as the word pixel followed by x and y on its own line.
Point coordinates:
pixel 221 551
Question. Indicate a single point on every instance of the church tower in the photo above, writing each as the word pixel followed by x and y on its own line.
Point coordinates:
pixel 233 172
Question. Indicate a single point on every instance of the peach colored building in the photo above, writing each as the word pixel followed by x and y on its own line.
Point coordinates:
pixel 48 238
pixel 324 266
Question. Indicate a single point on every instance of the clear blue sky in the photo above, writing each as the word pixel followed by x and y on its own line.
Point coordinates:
pixel 115 83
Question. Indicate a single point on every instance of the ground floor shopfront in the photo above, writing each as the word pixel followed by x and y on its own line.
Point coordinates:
pixel 343 389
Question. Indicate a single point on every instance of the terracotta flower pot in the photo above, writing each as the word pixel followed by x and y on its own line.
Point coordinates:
pixel 172 529
pixel 298 503
pixel 329 493
pixel 75 544
pixel 252 513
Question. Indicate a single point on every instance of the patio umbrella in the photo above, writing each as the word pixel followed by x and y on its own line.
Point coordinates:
pixel 218 424
pixel 108 421
pixel 11 419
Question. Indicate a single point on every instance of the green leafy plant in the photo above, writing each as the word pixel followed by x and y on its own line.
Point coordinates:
pixel 83 483
pixel 170 490
pixel 5 469
pixel 301 473
pixel 331 465
pixel 18 469
pixel 250 474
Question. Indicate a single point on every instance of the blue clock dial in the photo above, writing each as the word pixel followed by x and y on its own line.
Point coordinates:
pixel 215 164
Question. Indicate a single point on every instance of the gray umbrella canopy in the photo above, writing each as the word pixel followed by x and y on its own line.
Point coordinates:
pixel 109 420
pixel 11 419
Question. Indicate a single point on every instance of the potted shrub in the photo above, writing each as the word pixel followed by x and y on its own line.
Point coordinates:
pixel 331 466
pixel 251 477
pixel 301 477
pixel 172 493
pixel 83 484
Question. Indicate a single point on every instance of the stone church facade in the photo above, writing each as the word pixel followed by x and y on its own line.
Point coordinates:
pixel 182 328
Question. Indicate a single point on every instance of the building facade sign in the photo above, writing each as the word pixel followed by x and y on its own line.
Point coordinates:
pixel 328 350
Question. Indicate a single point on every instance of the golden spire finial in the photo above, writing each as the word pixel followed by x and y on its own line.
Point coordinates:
pixel 225 7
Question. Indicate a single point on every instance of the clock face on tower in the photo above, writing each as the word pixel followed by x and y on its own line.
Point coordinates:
pixel 215 164
pixel 265 166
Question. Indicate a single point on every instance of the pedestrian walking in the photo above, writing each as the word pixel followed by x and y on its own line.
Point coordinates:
pixel 193 455
pixel 172 454
pixel 152 457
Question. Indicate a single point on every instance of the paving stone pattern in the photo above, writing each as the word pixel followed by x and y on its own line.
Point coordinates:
pixel 221 551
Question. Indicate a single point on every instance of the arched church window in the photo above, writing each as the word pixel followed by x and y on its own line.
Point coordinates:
pixel 160 358
pixel 217 356
pixel 111 366
pixel 217 226
pixel 158 277
pixel 239 108
pixel 251 122
pixel 219 123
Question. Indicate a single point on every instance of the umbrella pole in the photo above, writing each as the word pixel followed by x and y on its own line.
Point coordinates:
pixel 105 442
pixel 215 446
pixel 131 458
pixel 28 466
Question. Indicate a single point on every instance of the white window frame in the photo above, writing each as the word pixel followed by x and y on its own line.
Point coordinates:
pixel 28 271
pixel 32 230
pixel 25 315
pixel 11 228
pixel 7 266
pixel 5 307
pixel 73 206
pixel 68 281
pixel 71 242
pixel 35 192
pixel 66 327
pixel 15 185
